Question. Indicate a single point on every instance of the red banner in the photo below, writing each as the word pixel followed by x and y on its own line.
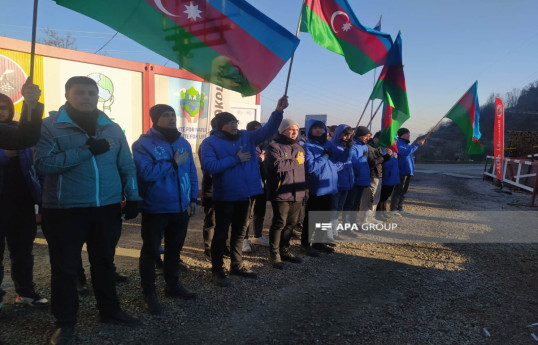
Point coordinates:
pixel 498 138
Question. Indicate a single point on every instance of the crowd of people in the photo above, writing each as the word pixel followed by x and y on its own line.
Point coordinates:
pixel 77 166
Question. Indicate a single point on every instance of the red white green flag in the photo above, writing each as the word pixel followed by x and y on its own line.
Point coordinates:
pixel 391 89
pixel 333 25
pixel 226 42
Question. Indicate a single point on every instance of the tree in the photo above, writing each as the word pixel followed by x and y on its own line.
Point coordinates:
pixel 511 98
pixel 52 38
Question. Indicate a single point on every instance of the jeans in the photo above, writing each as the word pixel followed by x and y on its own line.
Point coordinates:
pixel 285 215
pixel 398 195
pixel 173 226
pixel 66 230
pixel 228 214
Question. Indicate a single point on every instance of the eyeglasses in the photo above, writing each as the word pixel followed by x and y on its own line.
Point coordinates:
pixel 234 122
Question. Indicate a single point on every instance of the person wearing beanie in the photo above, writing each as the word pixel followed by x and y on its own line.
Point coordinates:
pixel 229 155
pixel 20 191
pixel 88 171
pixel 169 188
pixel 259 203
pixel 286 190
pixel 406 167
pixel 361 171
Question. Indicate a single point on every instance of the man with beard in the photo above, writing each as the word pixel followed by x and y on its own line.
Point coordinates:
pixel 229 155
pixel 88 170
pixel 285 185
pixel 169 188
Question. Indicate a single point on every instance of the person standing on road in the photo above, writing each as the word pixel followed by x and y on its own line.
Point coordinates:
pixel 406 167
pixel 286 189
pixel 88 170
pixel 20 191
pixel 229 155
pixel 391 178
pixel 169 189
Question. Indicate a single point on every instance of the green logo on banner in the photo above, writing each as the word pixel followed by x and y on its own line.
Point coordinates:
pixel 192 104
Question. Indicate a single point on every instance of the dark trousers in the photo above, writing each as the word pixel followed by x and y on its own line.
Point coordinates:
pixel 398 195
pixel 257 215
pixel 285 215
pixel 209 226
pixel 353 201
pixel 66 230
pixel 173 226
pixel 18 228
pixel 228 214
pixel 315 203
pixel 386 191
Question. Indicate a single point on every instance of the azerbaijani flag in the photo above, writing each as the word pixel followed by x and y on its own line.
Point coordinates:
pixel 390 88
pixel 466 114
pixel 333 25
pixel 226 42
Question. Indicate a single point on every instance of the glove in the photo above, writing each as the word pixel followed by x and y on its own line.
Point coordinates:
pixel 98 146
pixel 193 207
pixel 130 210
pixel 349 143
pixel 180 158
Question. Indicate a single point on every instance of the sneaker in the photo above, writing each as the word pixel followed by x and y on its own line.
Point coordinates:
pixel 179 291
pixel 246 246
pixel 276 261
pixel 220 279
pixel 121 318
pixel 323 248
pixel 33 300
pixel 261 241
pixel 62 336
pixel 286 255
pixel 373 220
pixel 244 272
pixel 154 306
pixel 403 213
pixel 311 251
pixel 395 214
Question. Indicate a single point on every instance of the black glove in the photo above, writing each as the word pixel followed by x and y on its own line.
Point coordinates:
pixel 98 146
pixel 349 143
pixel 130 210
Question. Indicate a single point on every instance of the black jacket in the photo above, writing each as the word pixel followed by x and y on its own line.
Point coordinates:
pixel 26 134
pixel 376 158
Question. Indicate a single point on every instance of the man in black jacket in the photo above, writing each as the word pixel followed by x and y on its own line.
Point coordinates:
pixel 285 185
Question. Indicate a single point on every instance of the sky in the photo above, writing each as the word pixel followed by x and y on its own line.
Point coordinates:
pixel 447 46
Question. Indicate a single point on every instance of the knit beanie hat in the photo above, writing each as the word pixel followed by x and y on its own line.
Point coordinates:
pixel 402 131
pixel 157 110
pixel 362 131
pixel 285 124
pixel 253 125
pixel 223 118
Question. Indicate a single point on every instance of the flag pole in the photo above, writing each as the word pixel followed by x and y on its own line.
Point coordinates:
pixel 32 49
pixel 291 60
pixel 372 105
pixel 379 106
pixel 431 130
pixel 363 111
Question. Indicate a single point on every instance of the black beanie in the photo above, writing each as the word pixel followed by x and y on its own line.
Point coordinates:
pixel 156 111
pixel 362 131
pixel 402 131
pixel 223 118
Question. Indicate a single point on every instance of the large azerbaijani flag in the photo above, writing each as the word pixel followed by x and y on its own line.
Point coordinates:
pixel 390 88
pixel 466 114
pixel 226 42
pixel 333 25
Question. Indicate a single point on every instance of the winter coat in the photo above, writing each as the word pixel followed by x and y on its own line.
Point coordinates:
pixel 73 176
pixel 342 158
pixel 164 186
pixel 359 160
pixel 321 172
pixel 232 179
pixel 376 158
pixel 26 134
pixel 286 180
pixel 406 163
pixel 391 173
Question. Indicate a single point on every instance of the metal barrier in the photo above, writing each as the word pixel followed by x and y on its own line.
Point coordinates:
pixel 517 178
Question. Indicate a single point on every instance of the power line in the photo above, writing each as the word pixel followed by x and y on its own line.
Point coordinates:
pixel 104 45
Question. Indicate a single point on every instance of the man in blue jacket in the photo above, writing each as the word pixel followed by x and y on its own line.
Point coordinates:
pixel 229 155
pixel 169 188
pixel 88 170
pixel 406 167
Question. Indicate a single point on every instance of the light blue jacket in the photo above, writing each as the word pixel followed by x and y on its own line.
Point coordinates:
pixel 73 176
pixel 391 173
pixel 342 159
pixel 164 188
pixel 359 159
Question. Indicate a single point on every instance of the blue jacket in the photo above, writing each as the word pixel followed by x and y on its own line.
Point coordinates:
pixel 26 161
pixel 342 158
pixel 321 172
pixel 391 173
pixel 73 176
pixel 359 160
pixel 164 187
pixel 406 163
pixel 233 180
